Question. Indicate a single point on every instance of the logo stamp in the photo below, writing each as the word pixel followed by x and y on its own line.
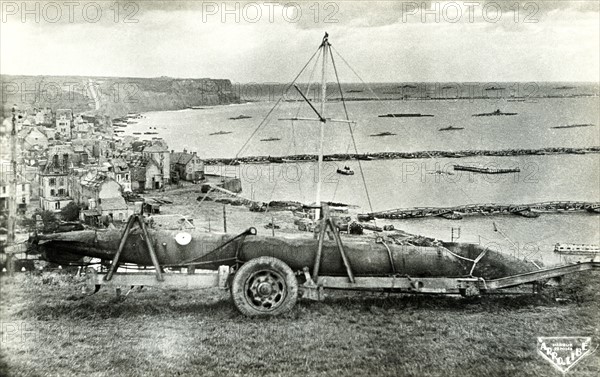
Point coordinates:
pixel 564 352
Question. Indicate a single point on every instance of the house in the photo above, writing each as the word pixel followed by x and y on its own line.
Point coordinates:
pixel 115 209
pixel 54 178
pixel 100 195
pixel 82 128
pixel 81 152
pixel 43 116
pixel 23 191
pixel 35 137
pixel 120 172
pixel 159 153
pixel 146 174
pixel 50 132
pixel 64 118
pixel 93 186
pixel 187 166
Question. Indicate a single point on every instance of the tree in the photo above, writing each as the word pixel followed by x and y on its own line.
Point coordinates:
pixel 70 212
pixel 49 221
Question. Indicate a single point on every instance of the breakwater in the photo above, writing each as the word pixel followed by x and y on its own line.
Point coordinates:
pixel 455 213
pixel 401 155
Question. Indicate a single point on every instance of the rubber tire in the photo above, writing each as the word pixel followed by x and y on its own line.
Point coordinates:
pixel 248 269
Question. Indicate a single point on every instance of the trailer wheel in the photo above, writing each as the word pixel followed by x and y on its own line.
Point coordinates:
pixel 264 286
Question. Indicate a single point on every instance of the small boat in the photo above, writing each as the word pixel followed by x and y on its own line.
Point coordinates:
pixel 270 139
pixel 119 130
pixel 354 91
pixel 365 157
pixel 495 88
pixel 240 117
pixel 440 172
pixel 345 171
pixel 137 133
pixel 575 125
pixel 494 113
pixel 477 169
pixel 450 128
pixel 452 216
pixel 564 87
pixel 400 115
pixel 151 133
pixel 382 134
pixel 220 133
pixel 529 214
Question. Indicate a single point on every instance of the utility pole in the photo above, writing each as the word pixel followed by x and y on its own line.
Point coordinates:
pixel 224 219
pixel 12 197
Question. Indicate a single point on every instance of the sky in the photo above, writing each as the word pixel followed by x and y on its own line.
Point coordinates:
pixel 383 41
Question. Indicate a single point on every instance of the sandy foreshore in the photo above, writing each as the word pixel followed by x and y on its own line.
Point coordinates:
pixel 209 214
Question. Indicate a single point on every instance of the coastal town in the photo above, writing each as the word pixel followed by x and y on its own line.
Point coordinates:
pixel 75 168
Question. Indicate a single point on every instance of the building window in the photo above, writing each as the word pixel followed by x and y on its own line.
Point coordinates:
pixel 52 192
pixel 61 192
pixel 4 189
pixel 61 181
pixel 57 205
pixel 23 187
pixel 52 181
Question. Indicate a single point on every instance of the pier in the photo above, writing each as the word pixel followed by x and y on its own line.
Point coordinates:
pixel 481 209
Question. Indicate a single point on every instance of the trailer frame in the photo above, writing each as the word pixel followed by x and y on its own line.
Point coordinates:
pixel 310 286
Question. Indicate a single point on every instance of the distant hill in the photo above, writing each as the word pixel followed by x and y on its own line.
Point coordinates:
pixel 113 96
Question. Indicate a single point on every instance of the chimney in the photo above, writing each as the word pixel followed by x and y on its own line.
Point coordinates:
pixel 184 150
pixel 194 153
pixel 172 150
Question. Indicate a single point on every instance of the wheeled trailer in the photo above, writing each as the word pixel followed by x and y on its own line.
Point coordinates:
pixel 267 286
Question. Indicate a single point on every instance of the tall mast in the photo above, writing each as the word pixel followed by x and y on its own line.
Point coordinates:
pixel 325 47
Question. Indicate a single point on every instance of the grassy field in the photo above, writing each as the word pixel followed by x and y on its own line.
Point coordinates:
pixel 49 328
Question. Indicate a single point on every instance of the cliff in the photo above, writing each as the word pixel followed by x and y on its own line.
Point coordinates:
pixel 113 96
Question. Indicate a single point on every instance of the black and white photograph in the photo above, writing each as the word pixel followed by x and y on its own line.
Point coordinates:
pixel 302 188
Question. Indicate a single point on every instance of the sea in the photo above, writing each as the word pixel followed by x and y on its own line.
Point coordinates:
pixel 267 130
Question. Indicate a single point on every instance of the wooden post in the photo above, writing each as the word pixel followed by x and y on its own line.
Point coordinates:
pixel 338 240
pixel 317 264
pixel 150 249
pixel 272 225
pixel 115 261
pixel 224 219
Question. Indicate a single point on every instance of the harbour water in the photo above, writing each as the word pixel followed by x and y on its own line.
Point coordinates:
pixel 414 182
pixel 531 128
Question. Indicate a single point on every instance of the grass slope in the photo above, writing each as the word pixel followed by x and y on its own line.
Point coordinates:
pixel 49 328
